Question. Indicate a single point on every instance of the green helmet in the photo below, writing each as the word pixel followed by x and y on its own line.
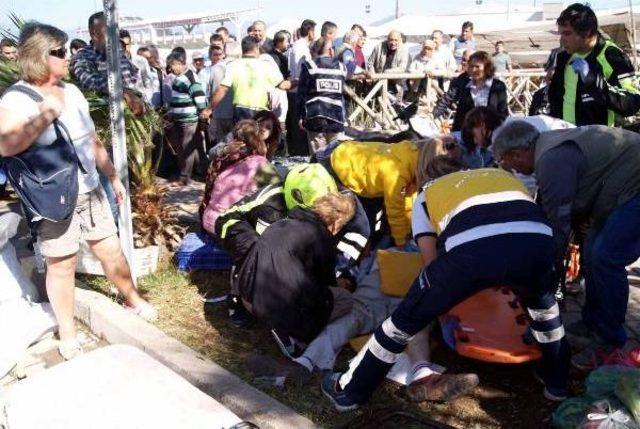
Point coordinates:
pixel 305 183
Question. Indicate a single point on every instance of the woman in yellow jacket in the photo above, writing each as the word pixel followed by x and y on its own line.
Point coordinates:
pixel 392 172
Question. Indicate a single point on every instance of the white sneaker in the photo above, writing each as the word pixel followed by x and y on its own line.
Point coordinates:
pixel 145 311
pixel 69 349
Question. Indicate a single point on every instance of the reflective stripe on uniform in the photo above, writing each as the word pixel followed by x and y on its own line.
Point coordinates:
pixel 356 238
pixel 495 197
pixel 393 332
pixel 226 226
pixel 325 100
pixel 490 230
pixel 545 314
pixel 380 352
pixel 349 250
pixel 260 199
pixel 549 336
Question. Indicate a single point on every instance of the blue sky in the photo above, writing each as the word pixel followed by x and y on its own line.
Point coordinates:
pixel 70 14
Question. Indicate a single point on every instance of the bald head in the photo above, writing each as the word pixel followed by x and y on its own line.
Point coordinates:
pixel 394 39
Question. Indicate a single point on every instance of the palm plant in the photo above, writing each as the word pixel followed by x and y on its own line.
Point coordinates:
pixel 154 222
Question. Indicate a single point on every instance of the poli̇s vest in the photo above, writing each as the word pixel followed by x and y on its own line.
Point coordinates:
pixel 325 99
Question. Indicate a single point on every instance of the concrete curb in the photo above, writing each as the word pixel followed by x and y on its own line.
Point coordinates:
pixel 108 320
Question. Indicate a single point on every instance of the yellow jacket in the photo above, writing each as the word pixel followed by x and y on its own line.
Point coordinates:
pixel 374 170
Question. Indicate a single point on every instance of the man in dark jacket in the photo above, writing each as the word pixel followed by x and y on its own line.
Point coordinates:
pixel 593 80
pixel 320 100
pixel 286 276
pixel 586 174
pixel 281 41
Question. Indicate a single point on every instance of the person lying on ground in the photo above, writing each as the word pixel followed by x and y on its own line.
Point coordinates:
pixel 370 308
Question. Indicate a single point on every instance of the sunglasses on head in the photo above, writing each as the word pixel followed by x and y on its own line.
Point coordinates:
pixel 59 53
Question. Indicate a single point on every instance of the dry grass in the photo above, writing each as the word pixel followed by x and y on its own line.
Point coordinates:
pixel 508 396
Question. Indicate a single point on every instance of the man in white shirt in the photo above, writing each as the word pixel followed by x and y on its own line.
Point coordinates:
pixel 300 48
pixel 297 138
pixel 443 59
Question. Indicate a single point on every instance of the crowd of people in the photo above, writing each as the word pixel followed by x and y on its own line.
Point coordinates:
pixel 494 202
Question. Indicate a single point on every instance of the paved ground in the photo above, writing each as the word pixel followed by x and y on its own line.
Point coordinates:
pixel 43 354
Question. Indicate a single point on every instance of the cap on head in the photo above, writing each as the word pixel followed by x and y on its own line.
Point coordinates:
pixel 305 183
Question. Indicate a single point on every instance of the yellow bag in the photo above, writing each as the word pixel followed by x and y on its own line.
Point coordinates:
pixel 398 270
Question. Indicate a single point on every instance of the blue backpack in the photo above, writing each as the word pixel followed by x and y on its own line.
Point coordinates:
pixel 45 176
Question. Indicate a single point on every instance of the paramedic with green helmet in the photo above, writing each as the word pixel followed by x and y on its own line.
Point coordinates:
pixel 251 218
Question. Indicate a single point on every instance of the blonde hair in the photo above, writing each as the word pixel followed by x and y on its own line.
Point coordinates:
pixel 335 208
pixel 442 165
pixel 428 150
pixel 35 42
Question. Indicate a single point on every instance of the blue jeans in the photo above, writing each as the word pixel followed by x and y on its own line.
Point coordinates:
pixel 608 249
pixel 523 261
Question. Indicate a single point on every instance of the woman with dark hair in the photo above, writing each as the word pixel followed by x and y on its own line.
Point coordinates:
pixel 362 38
pixel 483 89
pixel 270 130
pixel 477 129
pixel 235 171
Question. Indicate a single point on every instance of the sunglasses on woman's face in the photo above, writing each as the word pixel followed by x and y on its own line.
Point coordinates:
pixel 59 53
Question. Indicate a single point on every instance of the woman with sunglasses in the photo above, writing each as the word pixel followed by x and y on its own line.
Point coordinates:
pixel 43 65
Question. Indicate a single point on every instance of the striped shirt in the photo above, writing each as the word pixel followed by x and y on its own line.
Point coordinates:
pixel 187 98
pixel 90 69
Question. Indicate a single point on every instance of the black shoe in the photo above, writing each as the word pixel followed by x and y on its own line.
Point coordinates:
pixel 287 345
pixel 555 394
pixel 240 317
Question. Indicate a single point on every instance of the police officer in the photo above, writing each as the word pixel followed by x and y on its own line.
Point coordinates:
pixel 320 100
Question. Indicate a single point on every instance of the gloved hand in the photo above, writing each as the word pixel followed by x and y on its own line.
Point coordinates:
pixel 581 67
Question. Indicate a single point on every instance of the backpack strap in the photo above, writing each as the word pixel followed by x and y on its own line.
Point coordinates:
pixel 57 123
